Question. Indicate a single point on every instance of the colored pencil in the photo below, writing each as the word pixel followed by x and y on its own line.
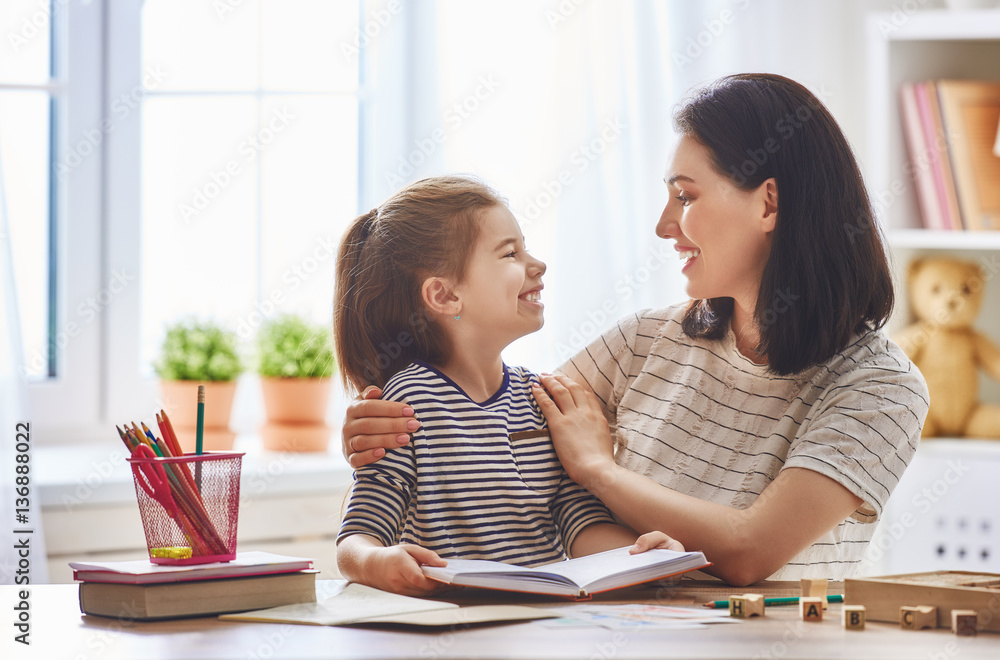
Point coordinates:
pixel 193 517
pixel 793 600
pixel 199 438
pixel 171 440
pixel 168 432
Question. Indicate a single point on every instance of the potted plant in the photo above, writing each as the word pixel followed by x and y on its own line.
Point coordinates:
pixel 199 353
pixel 296 365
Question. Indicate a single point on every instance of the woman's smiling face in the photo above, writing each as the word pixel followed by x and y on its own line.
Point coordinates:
pixel 722 232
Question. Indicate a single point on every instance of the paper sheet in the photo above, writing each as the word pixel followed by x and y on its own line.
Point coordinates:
pixel 637 617
pixel 355 603
pixel 358 604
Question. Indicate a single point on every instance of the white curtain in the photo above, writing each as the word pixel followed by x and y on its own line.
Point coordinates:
pixel 523 93
pixel 565 109
pixel 12 412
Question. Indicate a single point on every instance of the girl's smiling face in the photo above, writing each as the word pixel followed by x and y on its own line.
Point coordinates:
pixel 722 232
pixel 501 291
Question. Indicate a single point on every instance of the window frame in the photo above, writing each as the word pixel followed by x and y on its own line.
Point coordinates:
pixel 99 229
pixel 69 403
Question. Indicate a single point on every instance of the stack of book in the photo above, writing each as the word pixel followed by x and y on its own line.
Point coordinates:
pixel 951 130
pixel 143 591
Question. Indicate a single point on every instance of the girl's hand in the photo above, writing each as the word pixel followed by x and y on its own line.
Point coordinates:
pixel 651 540
pixel 578 429
pixel 397 569
pixel 371 426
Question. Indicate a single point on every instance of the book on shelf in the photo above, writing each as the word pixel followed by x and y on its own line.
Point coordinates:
pixel 144 572
pixel 951 128
pixel 944 176
pixel 923 154
pixel 172 600
pixel 577 578
pixel 971 111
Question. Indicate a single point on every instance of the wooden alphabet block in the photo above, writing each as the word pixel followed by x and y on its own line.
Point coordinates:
pixel 854 617
pixel 815 587
pixel 746 606
pixel 963 622
pixel 811 608
pixel 917 617
pixel 754 604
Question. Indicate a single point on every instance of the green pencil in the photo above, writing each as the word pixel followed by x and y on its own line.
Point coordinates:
pixel 200 437
pixel 793 600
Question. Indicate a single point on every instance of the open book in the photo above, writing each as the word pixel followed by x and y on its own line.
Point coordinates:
pixel 577 578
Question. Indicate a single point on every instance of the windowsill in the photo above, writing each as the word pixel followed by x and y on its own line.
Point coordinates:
pixel 98 474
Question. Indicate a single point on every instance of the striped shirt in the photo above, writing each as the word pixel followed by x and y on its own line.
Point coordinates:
pixel 698 417
pixel 469 484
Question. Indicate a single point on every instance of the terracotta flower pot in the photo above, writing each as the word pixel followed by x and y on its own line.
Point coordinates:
pixel 296 400
pixel 180 400
pixel 295 437
pixel 296 414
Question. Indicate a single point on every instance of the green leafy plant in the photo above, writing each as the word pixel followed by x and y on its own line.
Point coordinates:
pixel 290 347
pixel 198 350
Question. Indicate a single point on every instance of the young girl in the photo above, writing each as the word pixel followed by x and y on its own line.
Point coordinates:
pixel 430 288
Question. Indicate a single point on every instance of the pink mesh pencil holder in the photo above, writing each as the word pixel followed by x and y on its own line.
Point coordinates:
pixel 189 505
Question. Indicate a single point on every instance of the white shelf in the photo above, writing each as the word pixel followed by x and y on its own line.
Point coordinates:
pixel 931 239
pixel 940 25
pixel 927 44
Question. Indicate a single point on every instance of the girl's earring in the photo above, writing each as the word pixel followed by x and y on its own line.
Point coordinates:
pixel 457 317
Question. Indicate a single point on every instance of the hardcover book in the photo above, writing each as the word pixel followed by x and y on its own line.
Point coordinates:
pixel 171 600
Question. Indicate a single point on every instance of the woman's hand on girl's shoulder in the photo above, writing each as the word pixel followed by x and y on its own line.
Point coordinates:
pixel 371 426
pixel 577 425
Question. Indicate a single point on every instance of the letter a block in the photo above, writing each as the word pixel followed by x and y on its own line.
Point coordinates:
pixel 815 587
pixel 746 606
pixel 963 622
pixel 854 617
pixel 917 618
pixel 811 608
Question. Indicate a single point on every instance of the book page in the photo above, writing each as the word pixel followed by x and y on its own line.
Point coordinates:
pixel 586 570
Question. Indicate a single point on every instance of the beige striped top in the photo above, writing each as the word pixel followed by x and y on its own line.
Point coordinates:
pixel 698 417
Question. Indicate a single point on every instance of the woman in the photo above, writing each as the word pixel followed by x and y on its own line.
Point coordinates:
pixel 767 421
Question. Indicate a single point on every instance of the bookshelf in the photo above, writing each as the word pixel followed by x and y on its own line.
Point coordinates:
pixel 954 524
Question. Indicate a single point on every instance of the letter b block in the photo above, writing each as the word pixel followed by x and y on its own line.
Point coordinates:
pixel 854 617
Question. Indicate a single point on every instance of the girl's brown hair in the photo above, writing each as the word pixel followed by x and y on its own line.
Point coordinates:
pixel 428 229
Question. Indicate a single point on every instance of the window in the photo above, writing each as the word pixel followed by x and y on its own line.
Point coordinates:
pixel 249 160
pixel 189 158
pixel 30 93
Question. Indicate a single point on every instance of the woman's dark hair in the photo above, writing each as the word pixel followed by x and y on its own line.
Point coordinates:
pixel 425 230
pixel 827 277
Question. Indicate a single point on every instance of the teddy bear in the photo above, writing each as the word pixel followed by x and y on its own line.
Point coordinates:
pixel 945 297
